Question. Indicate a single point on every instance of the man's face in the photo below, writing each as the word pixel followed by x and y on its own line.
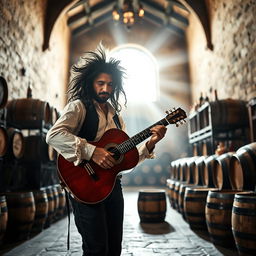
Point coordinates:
pixel 103 87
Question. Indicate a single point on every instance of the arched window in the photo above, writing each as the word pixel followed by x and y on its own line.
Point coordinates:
pixel 141 84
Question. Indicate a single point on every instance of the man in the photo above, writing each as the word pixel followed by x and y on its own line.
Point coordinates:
pixel 86 117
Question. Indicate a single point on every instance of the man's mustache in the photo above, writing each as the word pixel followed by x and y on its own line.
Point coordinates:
pixel 104 93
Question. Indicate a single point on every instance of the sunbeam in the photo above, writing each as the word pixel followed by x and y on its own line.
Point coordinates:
pixel 141 70
pixel 150 96
pixel 177 58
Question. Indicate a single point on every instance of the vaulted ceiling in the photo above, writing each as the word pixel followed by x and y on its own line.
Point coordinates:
pixel 85 15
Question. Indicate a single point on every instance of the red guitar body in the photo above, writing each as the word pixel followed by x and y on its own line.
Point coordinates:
pixel 85 187
pixel 88 182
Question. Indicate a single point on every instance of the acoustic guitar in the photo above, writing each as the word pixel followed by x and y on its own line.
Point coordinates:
pixel 88 182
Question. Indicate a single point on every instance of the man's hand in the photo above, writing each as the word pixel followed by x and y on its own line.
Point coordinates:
pixel 158 132
pixel 103 158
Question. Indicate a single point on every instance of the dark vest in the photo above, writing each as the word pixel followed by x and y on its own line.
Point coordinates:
pixel 90 125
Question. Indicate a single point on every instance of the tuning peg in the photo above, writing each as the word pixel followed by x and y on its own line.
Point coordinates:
pixel 177 125
pixel 183 121
pixel 167 112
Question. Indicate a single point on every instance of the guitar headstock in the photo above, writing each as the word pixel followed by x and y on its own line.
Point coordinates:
pixel 176 116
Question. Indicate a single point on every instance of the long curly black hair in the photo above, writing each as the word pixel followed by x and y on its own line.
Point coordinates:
pixel 81 85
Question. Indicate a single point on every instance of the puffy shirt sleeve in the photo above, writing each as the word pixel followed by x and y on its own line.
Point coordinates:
pixel 63 134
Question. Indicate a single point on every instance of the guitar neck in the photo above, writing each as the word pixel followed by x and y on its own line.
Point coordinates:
pixel 138 138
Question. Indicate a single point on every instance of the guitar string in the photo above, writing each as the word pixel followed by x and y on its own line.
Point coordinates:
pixel 133 141
pixel 89 169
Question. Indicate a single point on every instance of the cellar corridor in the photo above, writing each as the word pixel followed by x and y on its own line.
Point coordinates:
pixel 173 237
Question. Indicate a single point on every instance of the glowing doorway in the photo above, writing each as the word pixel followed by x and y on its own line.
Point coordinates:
pixel 141 83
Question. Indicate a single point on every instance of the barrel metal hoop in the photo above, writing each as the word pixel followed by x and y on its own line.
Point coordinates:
pixel 219 226
pixel 219 206
pixel 242 235
pixel 243 211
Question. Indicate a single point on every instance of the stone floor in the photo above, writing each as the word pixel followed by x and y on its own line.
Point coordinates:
pixel 170 238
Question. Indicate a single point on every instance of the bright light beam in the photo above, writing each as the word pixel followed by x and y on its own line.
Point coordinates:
pixel 141 83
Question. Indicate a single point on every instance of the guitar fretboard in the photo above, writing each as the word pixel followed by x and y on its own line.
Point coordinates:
pixel 138 138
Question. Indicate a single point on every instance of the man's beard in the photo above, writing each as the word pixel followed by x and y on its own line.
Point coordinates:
pixel 101 99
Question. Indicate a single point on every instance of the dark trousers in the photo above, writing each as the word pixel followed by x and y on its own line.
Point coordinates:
pixel 101 224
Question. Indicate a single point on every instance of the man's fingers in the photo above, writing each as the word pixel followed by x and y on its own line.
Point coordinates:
pixel 108 161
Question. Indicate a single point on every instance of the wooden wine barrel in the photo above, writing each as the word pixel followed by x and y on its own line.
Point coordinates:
pixel 190 175
pixel 173 170
pixel 21 215
pixel 218 213
pixel 229 113
pixel 62 201
pixel 178 169
pixel 16 143
pixel 152 205
pixel 170 191
pixel 36 149
pixel 221 172
pixel 3 217
pixel 3 92
pixel 182 190
pixel 54 115
pixel 194 206
pixel 242 173
pixel 50 215
pixel 41 204
pixel 3 141
pixel 56 201
pixel 207 172
pixel 198 172
pixel 28 113
pixel 244 223
pixel 176 194
pixel 251 149
pixel 182 169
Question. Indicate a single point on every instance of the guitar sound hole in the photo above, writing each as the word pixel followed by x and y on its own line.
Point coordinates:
pixel 116 155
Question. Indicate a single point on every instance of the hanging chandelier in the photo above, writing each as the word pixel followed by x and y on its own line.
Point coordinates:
pixel 128 13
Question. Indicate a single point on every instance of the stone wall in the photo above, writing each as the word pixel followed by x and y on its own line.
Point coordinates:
pixel 231 67
pixel 23 63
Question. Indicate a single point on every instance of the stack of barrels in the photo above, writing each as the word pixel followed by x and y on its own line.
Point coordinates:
pixel 34 116
pixel 217 194
pixel 24 214
pixel 31 198
pixel 24 153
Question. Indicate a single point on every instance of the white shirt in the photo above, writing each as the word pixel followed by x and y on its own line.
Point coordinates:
pixel 63 134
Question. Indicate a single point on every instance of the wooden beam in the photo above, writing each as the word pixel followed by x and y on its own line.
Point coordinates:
pixel 86 27
pixel 153 5
pixel 177 3
pixel 199 9
pixel 159 21
pixel 155 18
pixel 163 11
pixel 179 18
pixel 95 8
pixel 54 8
pixel 80 2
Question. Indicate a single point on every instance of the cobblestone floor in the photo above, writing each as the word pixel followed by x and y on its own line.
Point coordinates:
pixel 170 238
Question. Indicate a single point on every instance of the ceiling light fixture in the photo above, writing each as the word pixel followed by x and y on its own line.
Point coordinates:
pixel 128 13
